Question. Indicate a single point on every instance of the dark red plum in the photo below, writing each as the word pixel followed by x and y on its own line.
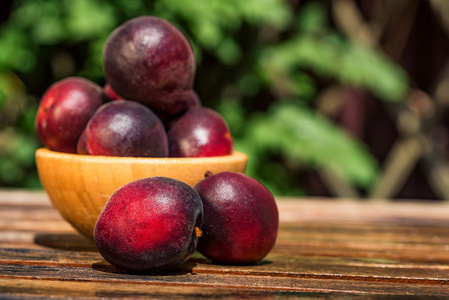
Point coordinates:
pixel 149 225
pixel 124 128
pixel 81 147
pixel 64 111
pixel 147 59
pixel 240 219
pixel 112 95
pixel 200 132
pixel 190 97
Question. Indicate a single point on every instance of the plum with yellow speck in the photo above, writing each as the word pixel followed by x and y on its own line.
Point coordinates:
pixel 240 219
pixel 150 225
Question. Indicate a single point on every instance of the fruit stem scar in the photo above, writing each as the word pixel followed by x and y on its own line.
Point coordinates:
pixel 228 135
pixel 198 232
pixel 208 174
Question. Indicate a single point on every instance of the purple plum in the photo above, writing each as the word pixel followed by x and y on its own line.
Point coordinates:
pixel 149 225
pixel 147 59
pixel 240 219
pixel 124 128
pixel 200 132
pixel 64 111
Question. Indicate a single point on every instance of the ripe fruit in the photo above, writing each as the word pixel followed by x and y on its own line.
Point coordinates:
pixel 64 111
pixel 81 147
pixel 240 219
pixel 149 225
pixel 124 128
pixel 189 97
pixel 200 132
pixel 147 59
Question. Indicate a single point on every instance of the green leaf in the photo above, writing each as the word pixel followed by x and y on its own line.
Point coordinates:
pixel 89 19
pixel 331 56
pixel 232 111
pixel 312 18
pixel 15 52
pixel 275 13
pixel 2 98
pixel 10 172
pixel 303 135
pixel 249 84
pixel 228 52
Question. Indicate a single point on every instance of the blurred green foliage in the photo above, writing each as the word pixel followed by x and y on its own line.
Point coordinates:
pixel 303 138
pixel 261 63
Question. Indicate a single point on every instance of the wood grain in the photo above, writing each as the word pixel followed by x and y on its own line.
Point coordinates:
pixel 325 248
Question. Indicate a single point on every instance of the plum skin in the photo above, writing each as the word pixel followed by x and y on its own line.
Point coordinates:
pixel 190 97
pixel 149 225
pixel 241 219
pixel 64 110
pixel 199 132
pixel 124 128
pixel 147 59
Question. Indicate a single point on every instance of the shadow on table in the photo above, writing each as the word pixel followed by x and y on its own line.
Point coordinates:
pixel 184 269
pixel 65 241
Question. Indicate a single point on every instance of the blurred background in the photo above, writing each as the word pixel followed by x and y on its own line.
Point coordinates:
pixel 328 98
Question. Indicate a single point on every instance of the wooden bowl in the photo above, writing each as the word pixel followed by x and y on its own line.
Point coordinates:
pixel 79 185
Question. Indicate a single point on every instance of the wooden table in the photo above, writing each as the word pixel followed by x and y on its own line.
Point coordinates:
pixel 325 248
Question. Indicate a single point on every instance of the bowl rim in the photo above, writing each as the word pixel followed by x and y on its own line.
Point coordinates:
pixel 47 153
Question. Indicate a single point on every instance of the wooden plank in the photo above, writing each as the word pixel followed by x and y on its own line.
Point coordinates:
pixel 246 282
pixel 23 197
pixel 318 210
pixel 273 266
pixel 386 234
pixel 29 288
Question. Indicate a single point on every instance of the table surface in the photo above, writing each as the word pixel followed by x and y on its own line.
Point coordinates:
pixel 325 248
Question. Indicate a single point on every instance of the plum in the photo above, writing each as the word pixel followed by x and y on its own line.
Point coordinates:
pixel 187 96
pixel 112 95
pixel 81 146
pixel 147 59
pixel 124 128
pixel 199 132
pixel 149 225
pixel 240 220
pixel 64 110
